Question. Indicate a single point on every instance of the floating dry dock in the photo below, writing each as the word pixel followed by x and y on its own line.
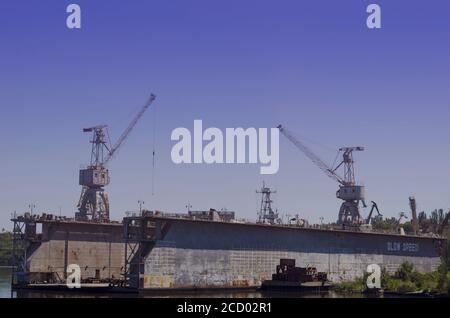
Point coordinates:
pixel 180 251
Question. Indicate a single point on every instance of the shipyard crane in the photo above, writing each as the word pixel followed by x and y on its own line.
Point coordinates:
pixel 93 202
pixel 348 191
pixel 374 207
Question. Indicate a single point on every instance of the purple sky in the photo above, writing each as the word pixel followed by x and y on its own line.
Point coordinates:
pixel 310 65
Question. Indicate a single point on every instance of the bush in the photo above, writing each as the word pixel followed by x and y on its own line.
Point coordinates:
pixel 405 287
pixel 426 281
pixel 385 277
pixel 404 280
pixel 356 286
pixel 5 248
pixel 405 271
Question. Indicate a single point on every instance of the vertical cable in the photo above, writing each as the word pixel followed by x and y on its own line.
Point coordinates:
pixel 153 153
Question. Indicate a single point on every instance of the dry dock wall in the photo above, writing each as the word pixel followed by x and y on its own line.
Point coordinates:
pixel 97 248
pixel 220 255
pixel 188 268
pixel 202 254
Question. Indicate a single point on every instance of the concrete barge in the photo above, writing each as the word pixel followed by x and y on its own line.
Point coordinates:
pixel 157 252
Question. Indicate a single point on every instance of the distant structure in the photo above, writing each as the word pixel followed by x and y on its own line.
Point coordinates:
pixel 266 213
pixel 213 215
pixel 413 206
pixel 374 208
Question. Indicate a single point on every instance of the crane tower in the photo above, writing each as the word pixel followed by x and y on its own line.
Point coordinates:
pixel 94 203
pixel 348 191
pixel 351 193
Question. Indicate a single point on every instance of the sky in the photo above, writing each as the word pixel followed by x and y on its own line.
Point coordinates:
pixel 313 66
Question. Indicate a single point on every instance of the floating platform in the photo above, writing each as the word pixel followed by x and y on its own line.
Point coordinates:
pixel 156 251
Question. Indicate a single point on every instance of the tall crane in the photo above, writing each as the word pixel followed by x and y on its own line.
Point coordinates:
pixel 349 192
pixel 93 203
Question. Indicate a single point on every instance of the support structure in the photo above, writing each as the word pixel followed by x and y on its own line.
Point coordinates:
pixel 351 193
pixel 19 247
pixel 24 238
pixel 141 232
pixel 94 203
pixel 132 227
pixel 266 212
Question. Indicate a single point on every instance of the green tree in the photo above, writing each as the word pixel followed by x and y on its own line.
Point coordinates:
pixel 5 248
pixel 405 271
pixel 422 217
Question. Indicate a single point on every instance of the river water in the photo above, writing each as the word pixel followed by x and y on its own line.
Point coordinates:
pixel 5 282
pixel 5 292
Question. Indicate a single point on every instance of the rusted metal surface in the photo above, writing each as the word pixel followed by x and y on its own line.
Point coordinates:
pixel 158 281
pixel 288 272
pixel 239 283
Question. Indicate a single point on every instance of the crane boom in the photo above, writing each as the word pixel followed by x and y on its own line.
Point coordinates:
pixel 128 130
pixel 313 157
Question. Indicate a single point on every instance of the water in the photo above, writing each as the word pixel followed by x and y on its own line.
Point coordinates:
pixel 5 282
pixel 5 292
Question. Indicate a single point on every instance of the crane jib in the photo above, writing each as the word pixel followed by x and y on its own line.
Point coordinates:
pixel 313 157
pixel 128 130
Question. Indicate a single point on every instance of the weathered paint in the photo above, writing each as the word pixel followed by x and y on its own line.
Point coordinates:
pixel 96 248
pixel 197 254
pixel 202 254
pixel 193 268
pixel 158 281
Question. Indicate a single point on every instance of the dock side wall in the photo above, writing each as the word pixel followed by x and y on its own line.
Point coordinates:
pixel 97 249
pixel 218 255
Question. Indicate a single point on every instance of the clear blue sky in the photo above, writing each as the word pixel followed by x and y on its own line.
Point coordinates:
pixel 311 65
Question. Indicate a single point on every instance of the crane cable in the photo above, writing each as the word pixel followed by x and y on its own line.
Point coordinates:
pixel 153 152
pixel 335 160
